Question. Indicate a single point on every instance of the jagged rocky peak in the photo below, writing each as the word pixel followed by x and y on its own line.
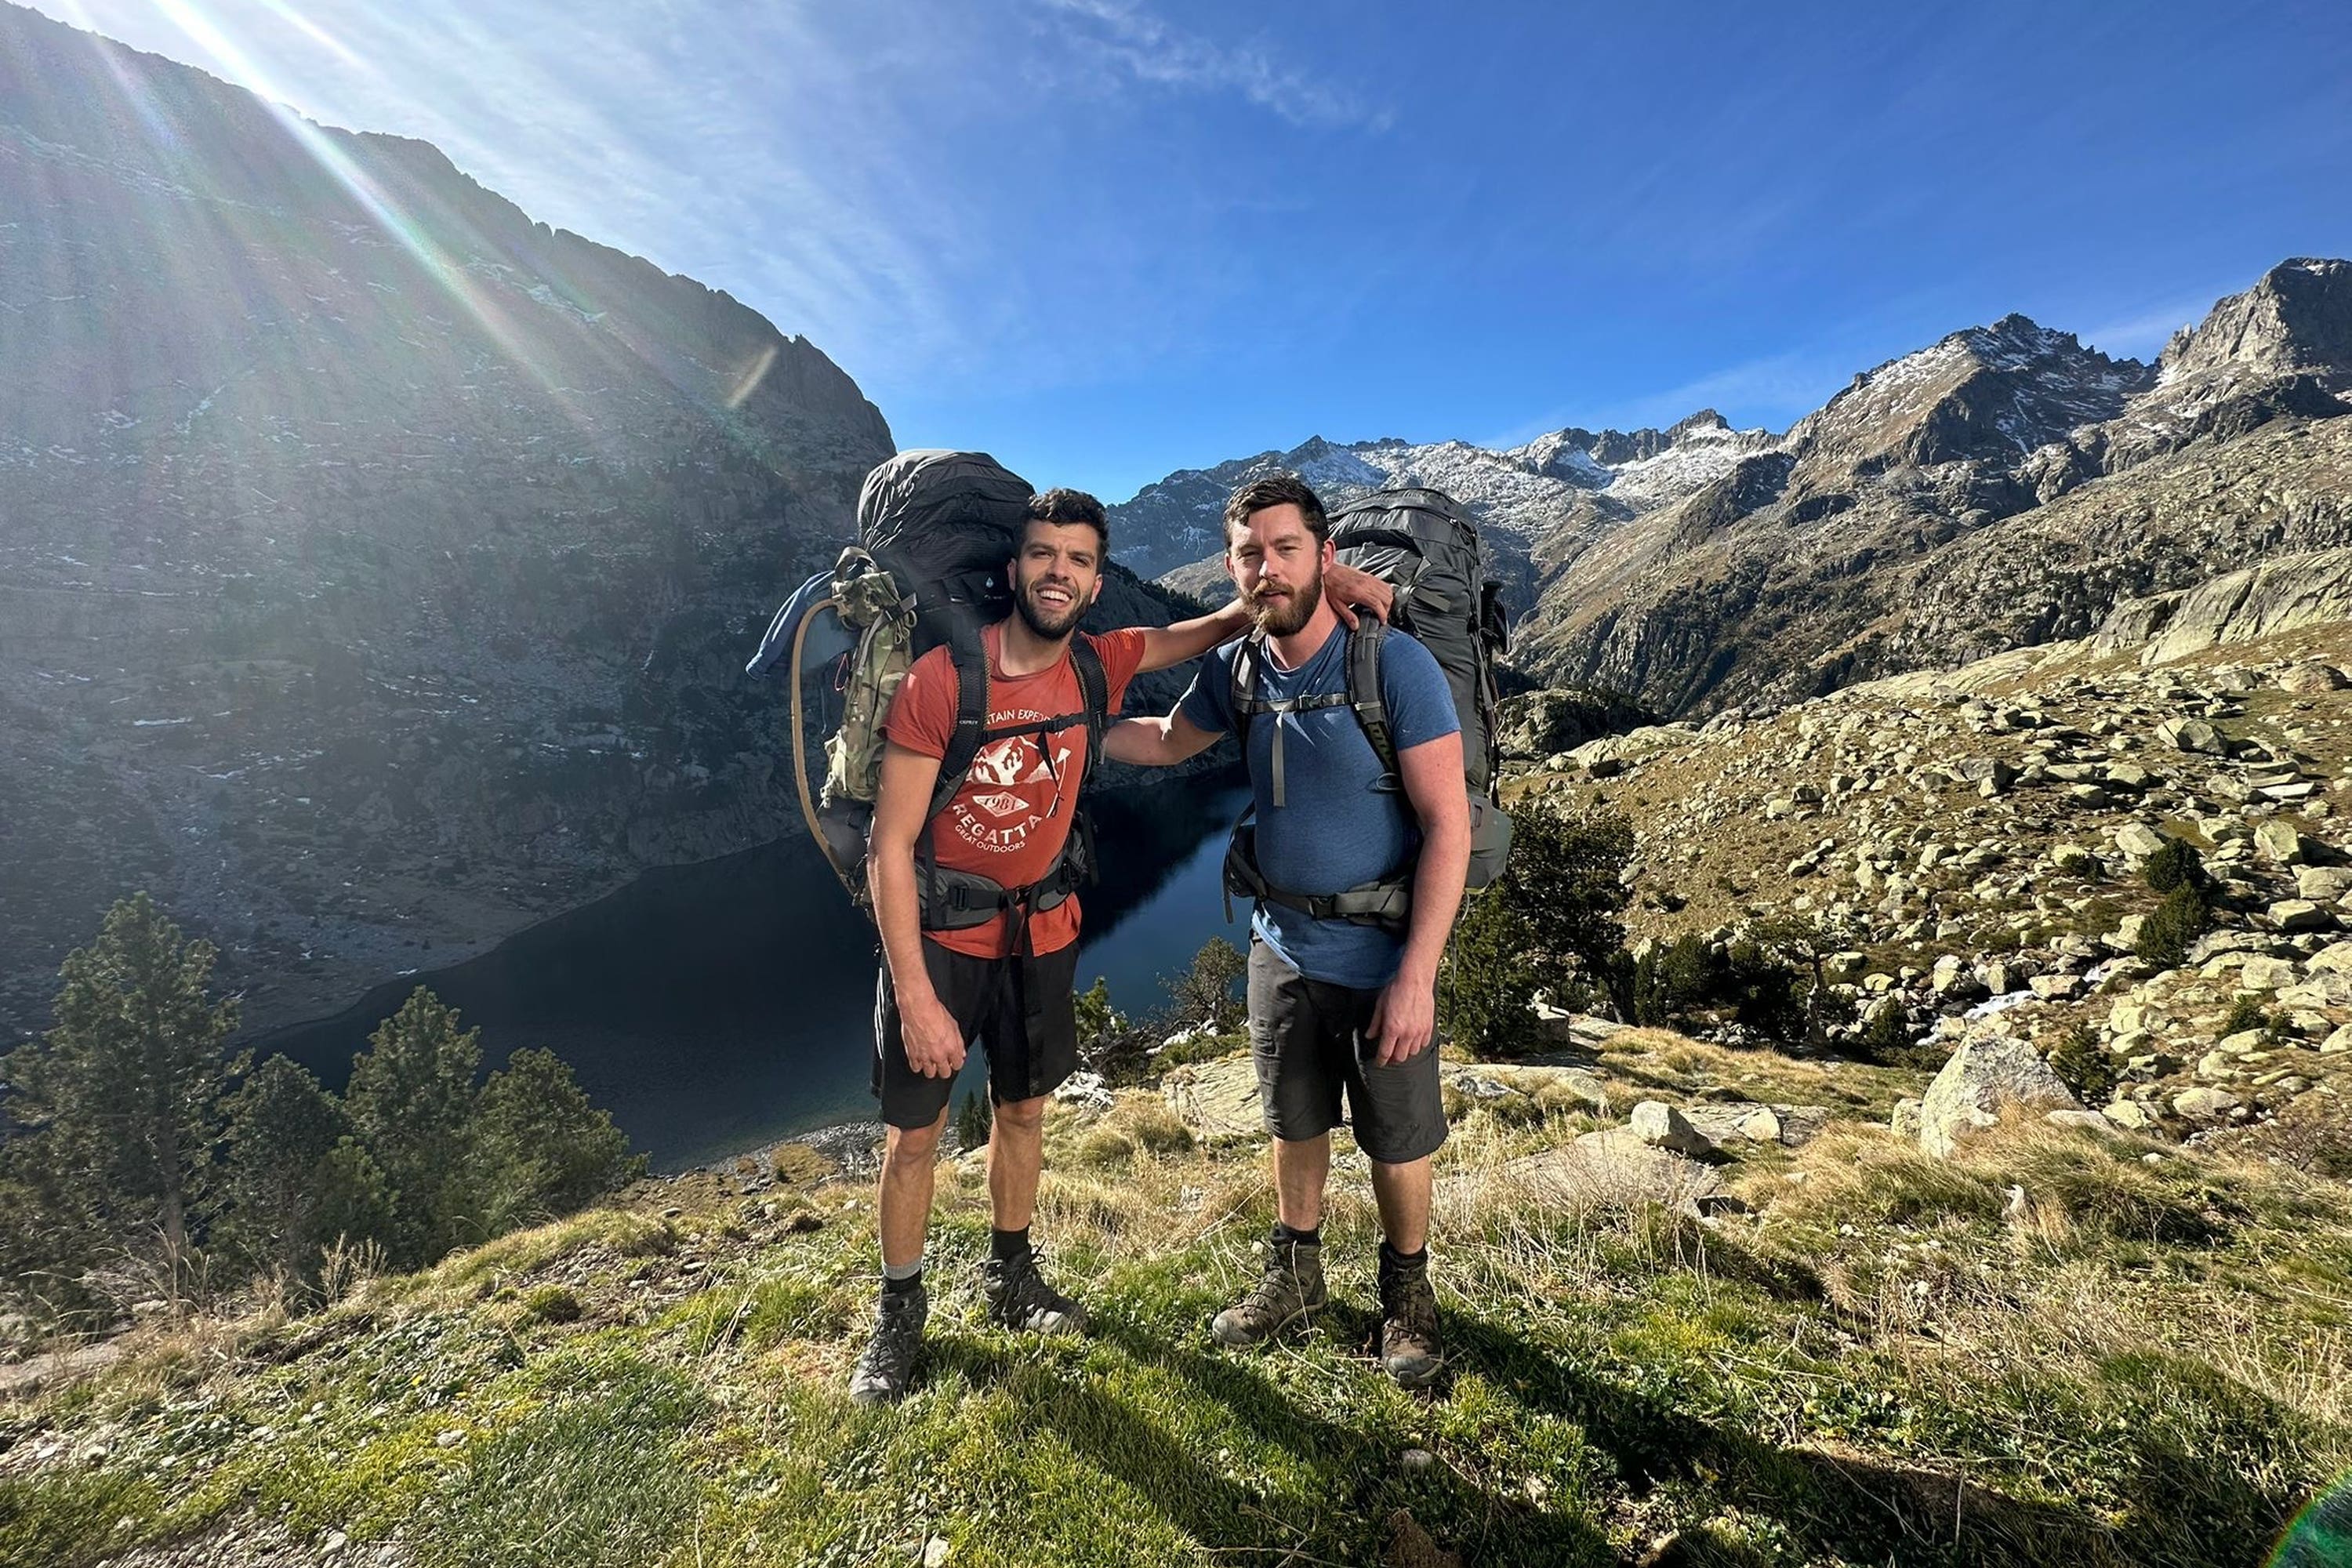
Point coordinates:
pixel 1991 393
pixel 1592 458
pixel 1705 424
pixel 2297 317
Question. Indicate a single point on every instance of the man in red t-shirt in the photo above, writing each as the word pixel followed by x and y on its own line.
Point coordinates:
pixel 1003 984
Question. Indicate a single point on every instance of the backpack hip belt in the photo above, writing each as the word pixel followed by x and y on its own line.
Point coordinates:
pixel 1387 903
pixel 958 900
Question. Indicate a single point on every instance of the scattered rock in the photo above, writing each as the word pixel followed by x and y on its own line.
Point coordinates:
pixel 1985 1074
pixel 2204 1104
pixel 2266 973
pixel 2277 838
pixel 2323 884
pixel 1217 1098
pixel 1086 1091
pixel 2192 735
pixel 2297 915
pixel 2309 679
pixel 1661 1126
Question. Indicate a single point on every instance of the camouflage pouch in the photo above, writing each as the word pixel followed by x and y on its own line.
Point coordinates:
pixel 885 620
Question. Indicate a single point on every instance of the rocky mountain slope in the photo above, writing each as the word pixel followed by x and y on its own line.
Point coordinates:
pixel 1973 841
pixel 376 565
pixel 2005 486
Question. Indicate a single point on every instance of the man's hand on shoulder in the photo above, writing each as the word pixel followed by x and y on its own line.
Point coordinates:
pixel 1351 590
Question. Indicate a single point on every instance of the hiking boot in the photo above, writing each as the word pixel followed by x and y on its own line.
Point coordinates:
pixel 1290 1293
pixel 888 1365
pixel 1019 1298
pixel 1410 1351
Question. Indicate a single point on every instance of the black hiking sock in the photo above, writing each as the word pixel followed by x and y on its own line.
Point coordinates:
pixel 1284 1236
pixel 1395 1260
pixel 1005 1245
pixel 900 1286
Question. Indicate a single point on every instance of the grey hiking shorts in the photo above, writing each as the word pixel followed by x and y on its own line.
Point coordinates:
pixel 1308 1041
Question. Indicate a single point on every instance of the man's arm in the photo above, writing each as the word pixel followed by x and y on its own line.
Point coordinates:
pixel 935 1047
pixel 1158 743
pixel 1349 590
pixel 1406 1018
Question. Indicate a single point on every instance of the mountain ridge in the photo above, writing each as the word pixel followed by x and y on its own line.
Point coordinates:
pixel 1762 567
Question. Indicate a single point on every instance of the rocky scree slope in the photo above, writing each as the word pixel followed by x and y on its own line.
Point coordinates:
pixel 376 564
pixel 1969 844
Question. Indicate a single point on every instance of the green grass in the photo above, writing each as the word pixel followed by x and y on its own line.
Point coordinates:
pixel 2150 1364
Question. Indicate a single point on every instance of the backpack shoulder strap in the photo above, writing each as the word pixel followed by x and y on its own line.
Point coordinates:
pixel 1364 690
pixel 969 657
pixel 1093 687
pixel 1249 654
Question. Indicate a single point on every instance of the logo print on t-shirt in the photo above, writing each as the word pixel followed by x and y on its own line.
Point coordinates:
pixel 1007 813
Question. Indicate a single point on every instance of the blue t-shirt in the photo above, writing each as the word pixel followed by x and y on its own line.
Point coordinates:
pixel 1336 829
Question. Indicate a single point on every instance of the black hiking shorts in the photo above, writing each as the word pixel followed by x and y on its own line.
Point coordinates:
pixel 1310 1042
pixel 1016 1009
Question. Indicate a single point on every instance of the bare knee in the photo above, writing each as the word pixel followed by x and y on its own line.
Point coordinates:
pixel 907 1146
pixel 1021 1116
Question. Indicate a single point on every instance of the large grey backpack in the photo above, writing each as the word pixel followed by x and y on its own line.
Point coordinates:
pixel 1426 547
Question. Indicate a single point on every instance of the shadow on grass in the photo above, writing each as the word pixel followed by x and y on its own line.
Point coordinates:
pixel 1351 1521
pixel 1786 1279
pixel 1863 1509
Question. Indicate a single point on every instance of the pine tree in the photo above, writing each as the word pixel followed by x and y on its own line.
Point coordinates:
pixel 1566 886
pixel 2166 936
pixel 1485 995
pixel 1203 993
pixel 296 1180
pixel 124 1100
pixel 411 1103
pixel 542 1149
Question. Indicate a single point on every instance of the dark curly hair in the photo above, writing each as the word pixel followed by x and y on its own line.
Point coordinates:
pixel 1065 506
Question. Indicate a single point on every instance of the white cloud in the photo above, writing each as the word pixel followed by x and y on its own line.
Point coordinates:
pixel 1124 35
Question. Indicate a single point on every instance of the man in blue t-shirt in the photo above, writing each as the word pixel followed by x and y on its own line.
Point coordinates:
pixel 1337 1005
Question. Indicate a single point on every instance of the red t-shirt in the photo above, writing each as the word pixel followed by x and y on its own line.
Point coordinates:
pixel 1012 815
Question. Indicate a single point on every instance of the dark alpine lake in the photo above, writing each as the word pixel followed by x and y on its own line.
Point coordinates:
pixel 715 1007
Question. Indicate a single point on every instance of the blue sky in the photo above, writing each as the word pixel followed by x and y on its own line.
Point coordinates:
pixel 1109 239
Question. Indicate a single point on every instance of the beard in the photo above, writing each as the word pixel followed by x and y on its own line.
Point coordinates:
pixel 1281 618
pixel 1034 616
